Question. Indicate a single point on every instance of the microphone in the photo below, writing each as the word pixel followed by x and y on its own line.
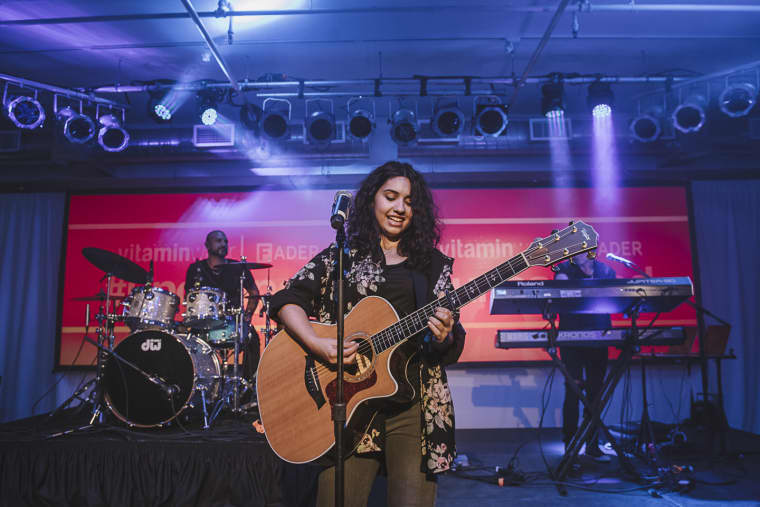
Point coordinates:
pixel 621 260
pixel 340 208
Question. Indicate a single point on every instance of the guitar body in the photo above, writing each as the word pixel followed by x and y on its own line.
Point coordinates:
pixel 296 392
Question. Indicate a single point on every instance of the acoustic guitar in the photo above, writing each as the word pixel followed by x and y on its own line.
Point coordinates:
pixel 296 390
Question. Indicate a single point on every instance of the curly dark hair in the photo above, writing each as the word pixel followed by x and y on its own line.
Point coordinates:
pixel 424 231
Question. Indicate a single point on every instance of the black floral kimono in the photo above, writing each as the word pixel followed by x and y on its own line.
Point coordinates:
pixel 312 289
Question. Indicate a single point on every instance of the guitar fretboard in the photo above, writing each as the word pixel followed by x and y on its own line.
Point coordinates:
pixel 417 320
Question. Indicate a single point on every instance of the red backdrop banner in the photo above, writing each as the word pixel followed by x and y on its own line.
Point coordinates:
pixel 482 228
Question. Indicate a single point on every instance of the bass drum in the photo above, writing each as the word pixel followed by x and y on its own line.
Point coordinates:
pixel 188 367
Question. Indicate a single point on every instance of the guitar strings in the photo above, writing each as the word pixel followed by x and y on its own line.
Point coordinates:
pixel 366 346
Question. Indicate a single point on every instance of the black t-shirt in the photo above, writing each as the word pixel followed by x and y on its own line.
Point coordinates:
pixel 398 288
pixel 228 279
pixel 578 321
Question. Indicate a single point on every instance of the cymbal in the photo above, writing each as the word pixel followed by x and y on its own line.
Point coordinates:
pixel 118 266
pixel 245 265
pixel 96 297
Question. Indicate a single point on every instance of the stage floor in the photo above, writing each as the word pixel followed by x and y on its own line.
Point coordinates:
pixel 231 464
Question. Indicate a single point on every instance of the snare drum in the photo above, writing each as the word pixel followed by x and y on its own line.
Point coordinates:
pixel 150 307
pixel 188 369
pixel 205 308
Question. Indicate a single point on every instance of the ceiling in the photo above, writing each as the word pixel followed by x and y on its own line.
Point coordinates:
pixel 85 45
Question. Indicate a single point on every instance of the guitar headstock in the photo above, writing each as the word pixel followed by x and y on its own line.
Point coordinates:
pixel 578 237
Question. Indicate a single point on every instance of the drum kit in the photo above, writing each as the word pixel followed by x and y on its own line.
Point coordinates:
pixel 164 367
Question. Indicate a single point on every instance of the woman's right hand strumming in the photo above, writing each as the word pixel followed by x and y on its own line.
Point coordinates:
pixel 297 323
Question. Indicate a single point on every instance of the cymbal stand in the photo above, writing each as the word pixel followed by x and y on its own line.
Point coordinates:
pixel 234 381
pixel 104 332
pixel 265 301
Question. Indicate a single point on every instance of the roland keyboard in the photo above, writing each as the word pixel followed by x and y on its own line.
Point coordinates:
pixel 525 338
pixel 615 295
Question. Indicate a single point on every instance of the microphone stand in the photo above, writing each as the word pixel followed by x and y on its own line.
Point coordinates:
pixel 339 406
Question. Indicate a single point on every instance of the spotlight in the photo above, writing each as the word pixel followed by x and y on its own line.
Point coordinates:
pixel 274 125
pixel 112 136
pixel 77 128
pixel 208 115
pixel 491 119
pixel 600 99
pixel 320 128
pixel 26 112
pixel 404 127
pixel 250 116
pixel 207 110
pixel 551 100
pixel 738 100
pixel 690 116
pixel 448 122
pixel 645 128
pixel 158 111
pixel 361 123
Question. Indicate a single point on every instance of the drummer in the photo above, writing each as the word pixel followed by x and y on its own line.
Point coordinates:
pixel 209 273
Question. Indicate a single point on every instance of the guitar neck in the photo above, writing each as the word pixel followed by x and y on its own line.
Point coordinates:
pixel 417 321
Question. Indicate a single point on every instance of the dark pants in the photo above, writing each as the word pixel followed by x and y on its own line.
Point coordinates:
pixel 577 359
pixel 408 486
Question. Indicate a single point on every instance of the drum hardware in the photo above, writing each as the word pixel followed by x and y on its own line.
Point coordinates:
pixel 205 308
pixel 235 386
pixel 150 306
pixel 178 370
pixel 264 312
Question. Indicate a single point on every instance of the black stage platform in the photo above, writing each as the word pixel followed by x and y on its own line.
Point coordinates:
pixel 231 464
pixel 111 465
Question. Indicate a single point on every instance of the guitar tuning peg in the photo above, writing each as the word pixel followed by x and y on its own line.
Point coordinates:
pixel 591 254
pixel 555 268
pixel 555 231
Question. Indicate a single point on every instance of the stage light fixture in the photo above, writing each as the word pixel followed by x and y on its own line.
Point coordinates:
pixel 320 128
pixel 250 117
pixel 690 116
pixel 26 112
pixel 404 127
pixel 274 125
pixel 738 99
pixel 112 136
pixel 361 123
pixel 77 128
pixel 208 114
pixel 490 119
pixel 448 122
pixel 645 128
pixel 551 100
pixel 158 111
pixel 207 106
pixel 600 99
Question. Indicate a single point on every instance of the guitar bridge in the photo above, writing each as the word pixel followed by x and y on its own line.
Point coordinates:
pixel 311 379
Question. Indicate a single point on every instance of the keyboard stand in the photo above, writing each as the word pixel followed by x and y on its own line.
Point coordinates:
pixel 593 418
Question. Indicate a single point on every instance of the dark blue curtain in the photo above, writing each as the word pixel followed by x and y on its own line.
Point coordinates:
pixel 30 253
pixel 727 222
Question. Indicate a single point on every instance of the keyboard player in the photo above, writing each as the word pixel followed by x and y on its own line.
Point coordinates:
pixel 586 364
